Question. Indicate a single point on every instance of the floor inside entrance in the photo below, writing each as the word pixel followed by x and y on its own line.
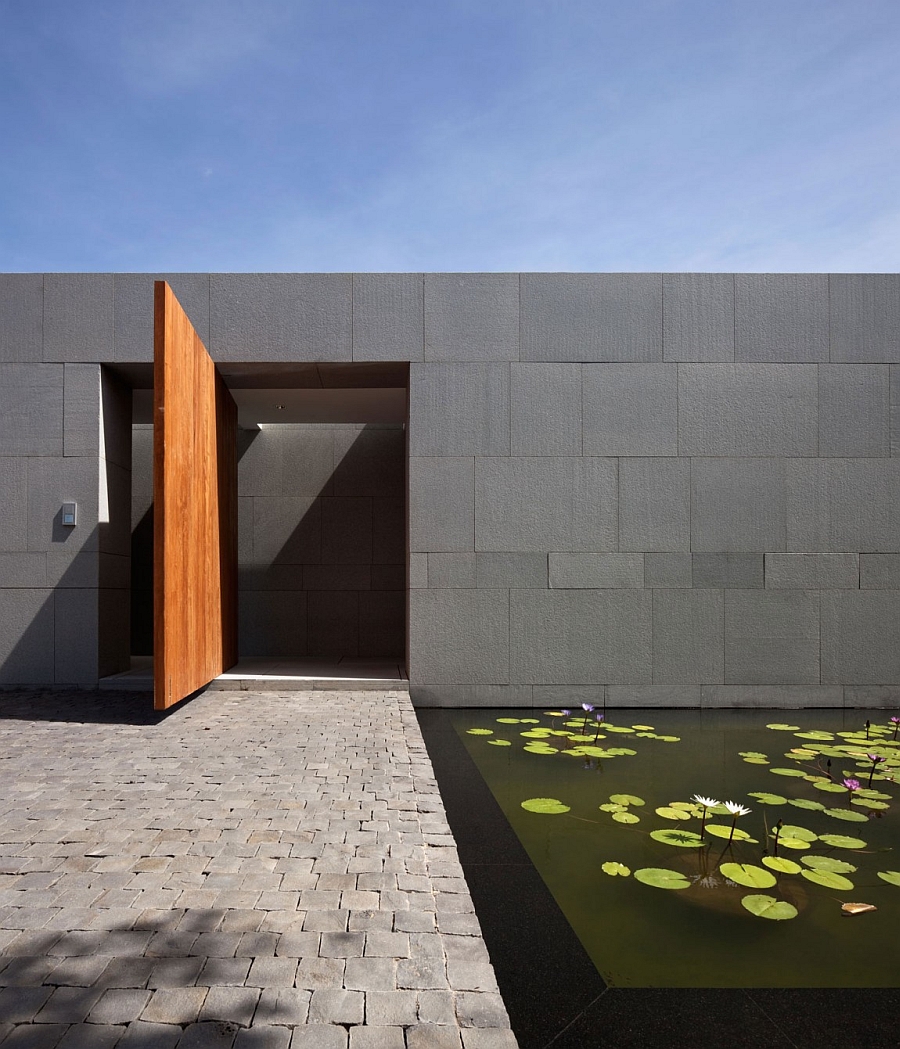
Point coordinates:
pixel 277 673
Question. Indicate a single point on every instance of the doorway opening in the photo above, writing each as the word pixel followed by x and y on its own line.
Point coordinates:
pixel 321 523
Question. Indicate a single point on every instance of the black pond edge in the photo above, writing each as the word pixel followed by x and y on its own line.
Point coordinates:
pixel 555 997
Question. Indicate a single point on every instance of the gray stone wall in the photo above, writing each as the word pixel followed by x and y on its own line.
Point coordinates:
pixel 654 489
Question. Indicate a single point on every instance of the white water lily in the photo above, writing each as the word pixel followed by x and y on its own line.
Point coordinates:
pixel 707 803
pixel 735 809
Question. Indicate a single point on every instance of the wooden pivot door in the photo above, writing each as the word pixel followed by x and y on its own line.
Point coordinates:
pixel 195 509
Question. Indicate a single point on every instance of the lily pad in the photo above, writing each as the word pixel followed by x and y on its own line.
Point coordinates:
pixel 626 817
pixel 594 752
pixel 668 813
pixel 891 877
pixel 848 815
pixel 788 772
pixel 842 841
pixel 627 799
pixel 828 863
pixel 615 869
pixel 780 864
pixel 803 803
pixel 869 803
pixel 534 749
pixel 719 830
pixel 747 874
pixel 670 739
pixel 536 733
pixel 792 843
pixel 611 807
pixel 683 839
pixel 756 761
pixel 832 788
pixel 643 728
pixel 480 731
pixel 768 907
pixel 530 721
pixel 624 752
pixel 619 728
pixel 508 721
pixel 751 754
pixel 828 879
pixel 790 831
pixel 764 798
pixel 779 727
pixel 661 878
pixel 545 805
pixel 499 743
pixel 815 734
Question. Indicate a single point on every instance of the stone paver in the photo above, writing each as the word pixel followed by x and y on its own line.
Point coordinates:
pixel 251 871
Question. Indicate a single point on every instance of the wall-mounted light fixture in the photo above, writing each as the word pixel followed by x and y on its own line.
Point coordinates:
pixel 69 514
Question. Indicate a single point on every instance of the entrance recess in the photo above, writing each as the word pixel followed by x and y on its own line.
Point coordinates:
pixel 195 509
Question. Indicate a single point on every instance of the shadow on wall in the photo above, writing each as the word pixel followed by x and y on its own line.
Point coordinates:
pixel 322 541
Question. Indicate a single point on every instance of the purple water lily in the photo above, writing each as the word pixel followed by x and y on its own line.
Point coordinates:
pixel 896 723
pixel 852 786
pixel 876 760
pixel 599 719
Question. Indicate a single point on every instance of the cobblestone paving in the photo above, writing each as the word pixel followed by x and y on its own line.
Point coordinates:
pixel 253 870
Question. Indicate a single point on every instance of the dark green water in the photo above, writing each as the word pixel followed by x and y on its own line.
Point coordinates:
pixel 701 936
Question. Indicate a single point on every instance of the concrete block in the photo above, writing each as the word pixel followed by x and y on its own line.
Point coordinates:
pixel 31 409
pixel 369 440
pixel 842 504
pixel 26 637
pixel 727 571
pixel 418 571
pixel 451 570
pixel 113 512
pixel 869 697
pixel 79 314
pixel 595 571
pixel 550 503
pixel 459 409
pixel 775 697
pixel 652 696
pixel 865 317
pixel 860 637
pixel 854 409
pixel 22 309
pixel 14 505
pixel 382 623
pixel 272 623
pixel 879 571
pixel 654 504
pixel 280 317
pixel 698 317
pixel 771 637
pixel 388 317
pixel 362 475
pixel 813 571
pixel 346 531
pixel 747 409
pixel 134 310
pixel 494 569
pixel 308 462
pixel 295 577
pixel 580 637
pixel 28 570
pixel 553 697
pixel 53 481
pixel 459 637
pixel 781 318
pixel 388 531
pixel 80 571
pixel 76 633
pixel 687 637
pixel 471 317
pixel 545 409
pixel 630 409
pixel 334 577
pixel 114 631
pixel 738 504
pixel 289 531
pixel 591 317
pixel 895 429
pixel 667 570
pixel 115 418
pixel 332 624
pixel 261 459
pixel 441 504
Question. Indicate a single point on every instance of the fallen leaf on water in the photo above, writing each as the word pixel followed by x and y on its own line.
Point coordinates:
pixel 857 908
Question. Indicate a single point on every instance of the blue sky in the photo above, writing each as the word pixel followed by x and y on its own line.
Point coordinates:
pixel 450 135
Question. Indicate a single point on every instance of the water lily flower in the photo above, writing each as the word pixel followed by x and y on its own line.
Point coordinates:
pixel 567 713
pixel 896 723
pixel 707 804
pixel 876 760
pixel 736 810
pixel 587 707
pixel 599 719
pixel 851 784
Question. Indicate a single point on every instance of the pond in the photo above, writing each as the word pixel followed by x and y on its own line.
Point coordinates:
pixel 625 820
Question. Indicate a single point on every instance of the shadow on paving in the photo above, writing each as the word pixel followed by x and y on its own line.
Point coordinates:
pixel 88 707
pixel 555 997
